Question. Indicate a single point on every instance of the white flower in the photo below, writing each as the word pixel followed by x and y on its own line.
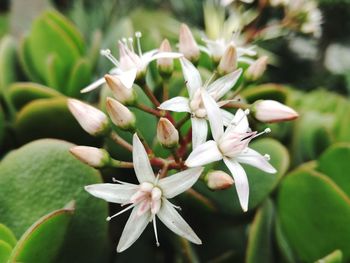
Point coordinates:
pixel 194 104
pixel 148 199
pixel 130 64
pixel 227 2
pixel 230 146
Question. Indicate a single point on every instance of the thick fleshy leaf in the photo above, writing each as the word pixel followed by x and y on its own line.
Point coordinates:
pixel 133 229
pixel 199 131
pixel 7 62
pixel 253 158
pixel 5 251
pixel 241 182
pixel 192 77
pixel 80 76
pixel 203 154
pixel 177 183
pixel 214 116
pixel 142 166
pixel 7 236
pixel 114 193
pixel 172 219
pixel 222 85
pixel 334 257
pixel 177 104
pixel 265 92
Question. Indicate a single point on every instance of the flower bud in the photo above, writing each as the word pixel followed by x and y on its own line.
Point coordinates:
pixel 218 180
pixel 92 156
pixel 273 111
pixel 257 69
pixel 165 65
pixel 228 61
pixel 167 134
pixel 120 92
pixel 188 45
pixel 92 120
pixel 120 115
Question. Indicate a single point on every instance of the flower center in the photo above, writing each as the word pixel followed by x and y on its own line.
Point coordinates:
pixel 197 106
pixel 148 197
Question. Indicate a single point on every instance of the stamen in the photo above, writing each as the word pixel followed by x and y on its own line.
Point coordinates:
pixel 131 44
pixel 120 212
pixel 267 130
pixel 176 207
pixel 138 36
pixel 267 157
pixel 247 112
pixel 107 53
pixel 155 230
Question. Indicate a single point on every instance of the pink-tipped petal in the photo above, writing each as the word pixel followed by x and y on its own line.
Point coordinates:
pixel 177 104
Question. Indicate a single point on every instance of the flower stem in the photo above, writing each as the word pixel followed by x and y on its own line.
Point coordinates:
pixel 147 109
pixel 165 89
pixel 150 95
pixel 181 122
pixel 120 141
pixel 121 164
pixel 236 105
pixel 202 199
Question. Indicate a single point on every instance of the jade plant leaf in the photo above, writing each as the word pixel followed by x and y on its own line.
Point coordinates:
pixel 265 91
pixel 7 62
pixel 7 236
pixel 334 257
pixel 42 241
pixel 260 247
pixel 46 177
pixel 5 251
pixel 49 118
pixel 80 76
pixel 260 183
pixel 334 163
pixel 314 214
pixel 2 125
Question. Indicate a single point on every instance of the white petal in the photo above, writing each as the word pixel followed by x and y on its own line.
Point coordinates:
pixel 214 115
pixel 128 77
pixel 172 219
pixel 239 124
pixel 205 153
pixel 114 193
pixel 177 104
pixel 227 116
pixel 222 85
pixel 166 55
pixel 142 165
pixel 253 158
pixel 176 184
pixel 191 75
pixel 93 85
pixel 133 229
pixel 241 182
pixel 199 131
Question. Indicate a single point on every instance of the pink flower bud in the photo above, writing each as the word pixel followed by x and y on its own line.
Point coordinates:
pixel 120 115
pixel 257 69
pixel 187 44
pixel 273 111
pixel 165 65
pixel 167 134
pixel 228 62
pixel 92 156
pixel 219 180
pixel 120 92
pixel 92 120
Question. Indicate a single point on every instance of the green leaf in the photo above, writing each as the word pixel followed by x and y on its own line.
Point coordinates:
pixel 314 214
pixel 7 236
pixel 284 249
pixel 21 93
pixel 79 78
pixel 334 163
pixel 49 118
pixel 260 248
pixel 334 257
pixel 42 241
pixel 2 125
pixel 43 176
pixel 265 92
pixel 54 72
pixel 7 62
pixel 5 251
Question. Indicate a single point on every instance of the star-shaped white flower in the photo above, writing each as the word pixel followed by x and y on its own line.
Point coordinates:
pixel 148 199
pixel 194 104
pixel 231 146
pixel 130 64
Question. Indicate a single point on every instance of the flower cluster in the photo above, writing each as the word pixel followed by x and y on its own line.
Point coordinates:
pixel 211 108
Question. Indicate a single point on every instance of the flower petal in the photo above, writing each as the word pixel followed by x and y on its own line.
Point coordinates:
pixel 205 153
pixel 172 219
pixel 239 123
pixel 177 104
pixel 176 184
pixel 93 85
pixel 214 115
pixel 142 165
pixel 199 131
pixel 191 75
pixel 133 229
pixel 114 193
pixel 227 117
pixel 253 158
pixel 222 85
pixel 128 77
pixel 241 182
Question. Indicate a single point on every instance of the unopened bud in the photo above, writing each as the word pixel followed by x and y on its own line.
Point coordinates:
pixel 257 69
pixel 92 120
pixel 120 92
pixel 228 61
pixel 92 156
pixel 272 111
pixel 167 134
pixel 218 180
pixel 120 115
pixel 188 45
pixel 165 65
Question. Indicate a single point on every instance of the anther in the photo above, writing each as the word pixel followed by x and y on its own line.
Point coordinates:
pixel 267 130
pixel 107 53
pixel 246 111
pixel 267 157
pixel 138 36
